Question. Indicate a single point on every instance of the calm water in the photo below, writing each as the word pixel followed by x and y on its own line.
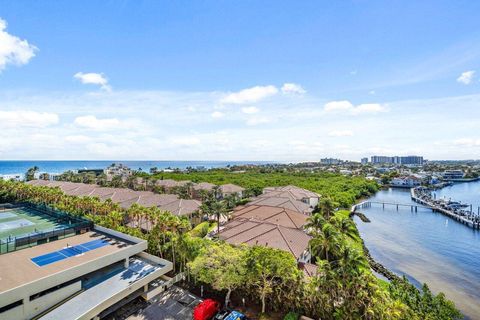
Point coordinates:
pixel 12 167
pixel 428 247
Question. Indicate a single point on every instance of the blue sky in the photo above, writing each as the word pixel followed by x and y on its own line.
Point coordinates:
pixel 239 80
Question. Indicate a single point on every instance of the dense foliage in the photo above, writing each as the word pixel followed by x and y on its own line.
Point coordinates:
pixel 345 190
pixel 343 287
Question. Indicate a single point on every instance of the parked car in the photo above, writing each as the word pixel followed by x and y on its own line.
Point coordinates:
pixel 206 309
pixel 221 315
pixel 235 315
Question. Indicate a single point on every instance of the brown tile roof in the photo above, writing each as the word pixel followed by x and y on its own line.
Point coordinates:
pixel 125 197
pixel 231 188
pixel 253 232
pixel 282 202
pixel 294 191
pixel 275 215
pixel 204 186
pixel 182 206
pixel 310 269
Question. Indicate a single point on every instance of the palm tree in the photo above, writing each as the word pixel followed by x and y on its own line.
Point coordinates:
pixel 327 207
pixel 315 222
pixel 219 210
pixel 345 226
pixel 325 242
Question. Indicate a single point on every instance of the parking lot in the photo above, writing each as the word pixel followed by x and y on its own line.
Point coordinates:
pixel 173 304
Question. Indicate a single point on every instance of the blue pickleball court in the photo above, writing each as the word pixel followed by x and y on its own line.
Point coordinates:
pixel 68 252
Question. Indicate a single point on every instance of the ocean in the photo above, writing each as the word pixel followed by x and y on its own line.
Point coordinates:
pixel 15 167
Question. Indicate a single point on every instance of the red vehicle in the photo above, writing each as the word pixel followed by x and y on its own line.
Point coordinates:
pixel 206 310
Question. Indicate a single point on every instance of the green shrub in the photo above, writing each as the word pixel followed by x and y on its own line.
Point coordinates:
pixel 291 316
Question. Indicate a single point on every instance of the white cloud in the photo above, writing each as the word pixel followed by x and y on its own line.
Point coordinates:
pixel 335 106
pixel 13 50
pixel 344 106
pixel 369 108
pixel 92 122
pixel 250 95
pixel 466 77
pixel 257 120
pixel 292 88
pixel 250 110
pixel 217 115
pixel 185 141
pixel 340 133
pixel 27 119
pixel 77 139
pixel 93 78
pixel 467 142
pixel 371 92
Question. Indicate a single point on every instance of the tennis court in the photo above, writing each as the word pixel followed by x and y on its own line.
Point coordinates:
pixel 68 252
pixel 22 221
pixel 22 226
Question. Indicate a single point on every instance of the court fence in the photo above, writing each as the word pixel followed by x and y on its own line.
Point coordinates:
pixel 67 226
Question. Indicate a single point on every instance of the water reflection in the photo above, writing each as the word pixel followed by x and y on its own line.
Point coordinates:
pixel 426 247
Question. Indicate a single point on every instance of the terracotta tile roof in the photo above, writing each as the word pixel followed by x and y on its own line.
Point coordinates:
pixel 204 186
pixel 275 215
pixel 310 269
pixel 253 232
pixel 282 202
pixel 125 197
pixel 182 206
pixel 231 188
pixel 296 192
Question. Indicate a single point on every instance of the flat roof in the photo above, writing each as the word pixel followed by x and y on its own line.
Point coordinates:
pixel 82 304
pixel 17 268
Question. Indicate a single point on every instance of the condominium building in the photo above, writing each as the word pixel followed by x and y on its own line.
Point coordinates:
pixel 69 272
pixel 407 160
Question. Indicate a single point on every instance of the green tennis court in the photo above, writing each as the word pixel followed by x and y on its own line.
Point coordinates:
pixel 23 221
pixel 24 226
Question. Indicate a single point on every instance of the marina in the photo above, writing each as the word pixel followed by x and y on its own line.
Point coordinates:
pixel 426 246
pixel 453 209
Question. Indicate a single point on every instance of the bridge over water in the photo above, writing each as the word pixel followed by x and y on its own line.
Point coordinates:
pixel 397 206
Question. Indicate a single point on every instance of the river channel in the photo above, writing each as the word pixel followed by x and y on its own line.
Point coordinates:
pixel 426 246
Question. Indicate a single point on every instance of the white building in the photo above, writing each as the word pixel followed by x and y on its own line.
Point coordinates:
pixel 84 276
pixel 405 182
pixel 13 176
pixel 453 174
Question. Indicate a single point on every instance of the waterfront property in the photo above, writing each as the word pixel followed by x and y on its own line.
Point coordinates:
pixel 294 192
pixel 82 276
pixel 286 202
pixel 452 209
pixel 126 197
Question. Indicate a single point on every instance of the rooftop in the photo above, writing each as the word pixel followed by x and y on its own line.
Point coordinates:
pixel 231 188
pixel 253 232
pixel 282 202
pixel 275 215
pixel 296 192
pixel 125 197
pixel 17 268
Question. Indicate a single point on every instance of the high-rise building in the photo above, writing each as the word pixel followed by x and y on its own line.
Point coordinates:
pixel 364 160
pixel 407 160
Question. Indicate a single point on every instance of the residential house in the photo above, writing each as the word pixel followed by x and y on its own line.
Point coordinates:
pixel 200 188
pixel 300 194
pixel 231 189
pixel 283 202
